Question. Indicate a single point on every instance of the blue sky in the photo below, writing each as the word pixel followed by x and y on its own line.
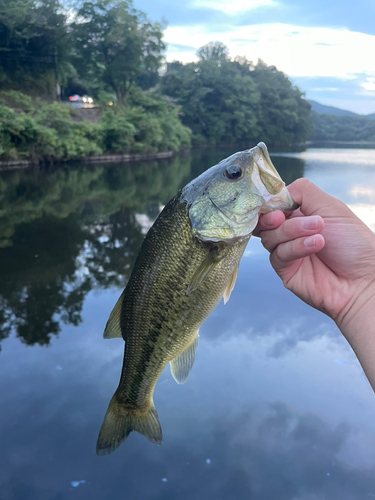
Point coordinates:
pixel 326 47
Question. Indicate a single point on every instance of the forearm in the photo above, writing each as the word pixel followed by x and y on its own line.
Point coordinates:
pixel 358 327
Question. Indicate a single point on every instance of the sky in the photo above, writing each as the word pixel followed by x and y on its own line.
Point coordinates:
pixel 326 47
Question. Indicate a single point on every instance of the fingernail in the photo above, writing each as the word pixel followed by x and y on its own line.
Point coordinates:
pixel 310 241
pixel 310 223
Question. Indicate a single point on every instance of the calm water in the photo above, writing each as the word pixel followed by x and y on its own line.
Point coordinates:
pixel 276 406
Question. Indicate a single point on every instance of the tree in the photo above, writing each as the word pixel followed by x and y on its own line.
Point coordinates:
pixel 218 97
pixel 233 101
pixel 343 128
pixel 215 51
pixel 115 44
pixel 34 48
pixel 284 114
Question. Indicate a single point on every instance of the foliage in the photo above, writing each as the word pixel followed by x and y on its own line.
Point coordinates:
pixel 112 49
pixel 51 132
pixel 214 50
pixel 34 46
pixel 343 128
pixel 45 132
pixel 149 124
pixel 116 44
pixel 231 101
pixel 218 102
pixel 284 114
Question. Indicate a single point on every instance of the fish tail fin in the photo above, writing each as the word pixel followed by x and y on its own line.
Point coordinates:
pixel 119 422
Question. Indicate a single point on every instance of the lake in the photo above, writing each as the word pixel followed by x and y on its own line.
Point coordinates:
pixel 276 405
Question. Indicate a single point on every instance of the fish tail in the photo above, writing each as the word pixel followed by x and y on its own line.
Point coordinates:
pixel 119 422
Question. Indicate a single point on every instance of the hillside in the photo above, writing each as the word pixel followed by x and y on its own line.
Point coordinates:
pixel 330 110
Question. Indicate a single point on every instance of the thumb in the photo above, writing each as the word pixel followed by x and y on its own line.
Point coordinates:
pixel 312 200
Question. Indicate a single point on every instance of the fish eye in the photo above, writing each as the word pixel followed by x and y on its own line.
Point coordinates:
pixel 233 172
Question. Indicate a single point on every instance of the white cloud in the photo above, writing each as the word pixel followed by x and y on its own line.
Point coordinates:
pixel 369 84
pixel 298 51
pixel 325 89
pixel 232 7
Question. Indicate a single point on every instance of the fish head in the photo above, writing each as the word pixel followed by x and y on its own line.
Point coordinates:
pixel 224 202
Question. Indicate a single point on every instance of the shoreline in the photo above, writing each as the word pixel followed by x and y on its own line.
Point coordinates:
pixel 19 164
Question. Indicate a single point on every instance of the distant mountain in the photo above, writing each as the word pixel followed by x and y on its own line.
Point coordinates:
pixel 330 110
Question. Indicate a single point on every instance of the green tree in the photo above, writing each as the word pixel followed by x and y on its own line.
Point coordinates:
pixel 34 46
pixel 214 50
pixel 115 45
pixel 284 114
pixel 343 128
pixel 218 97
pixel 233 101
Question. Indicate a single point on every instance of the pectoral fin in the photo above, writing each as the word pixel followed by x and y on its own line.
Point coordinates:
pixel 230 286
pixel 207 265
pixel 182 364
pixel 113 326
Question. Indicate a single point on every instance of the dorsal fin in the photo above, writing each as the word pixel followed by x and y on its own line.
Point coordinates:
pixel 230 286
pixel 182 364
pixel 113 327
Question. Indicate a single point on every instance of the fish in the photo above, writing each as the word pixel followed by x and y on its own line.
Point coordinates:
pixel 188 261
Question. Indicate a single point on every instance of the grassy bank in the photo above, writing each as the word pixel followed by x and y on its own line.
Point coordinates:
pixel 32 129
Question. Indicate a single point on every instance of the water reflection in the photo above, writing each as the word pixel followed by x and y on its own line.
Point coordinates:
pixel 71 230
pixel 67 231
pixel 236 430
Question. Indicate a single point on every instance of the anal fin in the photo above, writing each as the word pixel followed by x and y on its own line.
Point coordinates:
pixel 230 286
pixel 113 327
pixel 182 364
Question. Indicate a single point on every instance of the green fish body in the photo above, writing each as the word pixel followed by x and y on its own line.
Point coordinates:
pixel 187 263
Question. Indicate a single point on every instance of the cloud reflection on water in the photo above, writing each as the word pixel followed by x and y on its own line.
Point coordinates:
pixel 263 440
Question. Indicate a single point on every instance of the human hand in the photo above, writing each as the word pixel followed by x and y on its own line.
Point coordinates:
pixel 324 254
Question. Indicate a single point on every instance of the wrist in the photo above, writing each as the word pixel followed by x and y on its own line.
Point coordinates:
pixel 356 320
pixel 358 327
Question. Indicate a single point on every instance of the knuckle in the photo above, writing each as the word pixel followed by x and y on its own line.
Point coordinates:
pixel 302 183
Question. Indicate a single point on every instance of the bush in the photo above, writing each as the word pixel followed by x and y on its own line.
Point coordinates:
pixel 48 132
pixel 149 124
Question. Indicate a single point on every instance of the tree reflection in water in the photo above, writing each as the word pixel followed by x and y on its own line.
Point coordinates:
pixel 73 229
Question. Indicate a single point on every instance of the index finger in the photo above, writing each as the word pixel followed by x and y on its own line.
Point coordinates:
pixel 268 221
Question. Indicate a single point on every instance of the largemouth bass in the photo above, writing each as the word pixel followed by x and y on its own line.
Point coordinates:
pixel 187 263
